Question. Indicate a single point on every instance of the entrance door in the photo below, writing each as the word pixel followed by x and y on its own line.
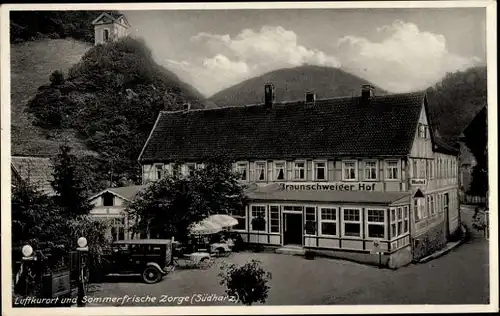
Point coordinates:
pixel 292 229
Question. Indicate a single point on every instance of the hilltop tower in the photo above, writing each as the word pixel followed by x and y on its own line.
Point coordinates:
pixel 110 27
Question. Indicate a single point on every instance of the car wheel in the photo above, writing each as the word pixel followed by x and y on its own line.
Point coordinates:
pixel 151 275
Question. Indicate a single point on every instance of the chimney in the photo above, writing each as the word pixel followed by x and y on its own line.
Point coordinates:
pixel 310 98
pixel 269 95
pixel 366 91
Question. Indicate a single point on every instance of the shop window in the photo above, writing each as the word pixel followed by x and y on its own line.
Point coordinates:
pixel 274 221
pixel 371 170
pixel 310 226
pixel 108 199
pixel 241 216
pixel 279 171
pixel 299 168
pixel 258 211
pixel 242 170
pixel 376 223
pixel 392 170
pixel 261 171
pixel 319 171
pixel 328 225
pixel 349 170
pixel 352 222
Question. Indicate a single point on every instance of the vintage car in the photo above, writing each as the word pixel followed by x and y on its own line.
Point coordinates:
pixel 150 258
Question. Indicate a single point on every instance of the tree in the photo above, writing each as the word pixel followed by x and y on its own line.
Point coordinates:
pixel 168 207
pixel 476 139
pixel 70 184
pixel 36 219
pixel 247 283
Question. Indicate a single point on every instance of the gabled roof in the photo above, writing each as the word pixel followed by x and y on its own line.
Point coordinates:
pixel 113 17
pixel 383 126
pixel 127 193
pixel 34 170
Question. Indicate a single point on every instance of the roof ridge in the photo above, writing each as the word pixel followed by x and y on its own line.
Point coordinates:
pixel 289 102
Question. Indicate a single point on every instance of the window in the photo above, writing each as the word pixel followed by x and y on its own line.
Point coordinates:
pixel 159 171
pixel 274 219
pixel 376 223
pixel 299 168
pixel 105 35
pixel 108 199
pixel 310 226
pixel 241 216
pixel 392 170
pixel 319 171
pixel 352 222
pixel 423 131
pixel 406 220
pixel 432 210
pixel 416 210
pixel 400 221
pixel 370 170
pixel 190 168
pixel 279 170
pixel 349 170
pixel 328 221
pixel 431 169
pixel 258 212
pixel 118 229
pixel 421 170
pixel 260 171
pixel 414 169
pixel 242 170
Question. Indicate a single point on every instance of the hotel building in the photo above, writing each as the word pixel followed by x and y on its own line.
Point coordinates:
pixel 347 177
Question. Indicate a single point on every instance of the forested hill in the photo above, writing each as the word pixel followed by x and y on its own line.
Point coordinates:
pixel 112 98
pixel 456 99
pixel 33 25
pixel 291 84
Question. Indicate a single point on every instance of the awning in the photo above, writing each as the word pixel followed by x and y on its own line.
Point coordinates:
pixel 223 220
pixel 205 227
pixel 275 192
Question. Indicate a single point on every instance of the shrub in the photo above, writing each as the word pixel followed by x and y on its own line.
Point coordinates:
pixel 247 283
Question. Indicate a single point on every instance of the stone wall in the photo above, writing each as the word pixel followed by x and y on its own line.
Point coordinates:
pixel 429 242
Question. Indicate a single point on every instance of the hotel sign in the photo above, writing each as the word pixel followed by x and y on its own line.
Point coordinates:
pixel 331 186
pixel 418 181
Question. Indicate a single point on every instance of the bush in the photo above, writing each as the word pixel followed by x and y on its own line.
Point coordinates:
pixel 247 283
pixel 57 77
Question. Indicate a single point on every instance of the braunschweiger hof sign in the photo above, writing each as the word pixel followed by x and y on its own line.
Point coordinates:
pixel 331 186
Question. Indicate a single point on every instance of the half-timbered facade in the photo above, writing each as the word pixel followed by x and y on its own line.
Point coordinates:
pixel 359 169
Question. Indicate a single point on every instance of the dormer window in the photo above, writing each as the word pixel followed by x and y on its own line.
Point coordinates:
pixel 105 35
pixel 108 199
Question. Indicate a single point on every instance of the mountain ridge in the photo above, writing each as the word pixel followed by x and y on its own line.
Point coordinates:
pixel 291 84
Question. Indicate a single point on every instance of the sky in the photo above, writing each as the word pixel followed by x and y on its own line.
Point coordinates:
pixel 399 50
